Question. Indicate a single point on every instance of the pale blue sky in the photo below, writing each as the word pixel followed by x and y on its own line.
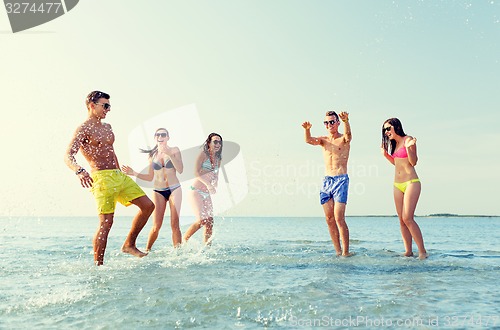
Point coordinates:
pixel 255 70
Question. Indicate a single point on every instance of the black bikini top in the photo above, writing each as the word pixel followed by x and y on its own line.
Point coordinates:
pixel 158 166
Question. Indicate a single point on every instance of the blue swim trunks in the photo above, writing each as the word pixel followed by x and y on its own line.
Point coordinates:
pixel 335 187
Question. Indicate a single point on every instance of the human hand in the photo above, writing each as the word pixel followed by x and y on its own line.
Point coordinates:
pixel 344 116
pixel 383 151
pixel 128 170
pixel 306 125
pixel 410 142
pixel 168 151
pixel 85 179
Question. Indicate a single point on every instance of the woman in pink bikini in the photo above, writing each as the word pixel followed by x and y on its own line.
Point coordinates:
pixel 401 151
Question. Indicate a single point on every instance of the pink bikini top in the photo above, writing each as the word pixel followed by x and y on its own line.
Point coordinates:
pixel 400 153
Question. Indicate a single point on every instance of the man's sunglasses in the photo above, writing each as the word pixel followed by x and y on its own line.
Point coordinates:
pixel 106 106
pixel 331 122
pixel 163 135
pixel 386 129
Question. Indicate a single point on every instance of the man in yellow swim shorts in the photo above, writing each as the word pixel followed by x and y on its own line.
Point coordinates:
pixel 108 184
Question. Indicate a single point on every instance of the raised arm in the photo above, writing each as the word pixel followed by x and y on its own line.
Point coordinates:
pixel 308 138
pixel 411 149
pixel 386 155
pixel 344 116
pixel 176 158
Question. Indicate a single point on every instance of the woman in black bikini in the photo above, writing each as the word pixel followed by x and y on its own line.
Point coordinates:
pixel 164 163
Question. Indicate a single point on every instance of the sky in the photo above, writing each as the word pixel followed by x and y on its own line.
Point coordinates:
pixel 253 71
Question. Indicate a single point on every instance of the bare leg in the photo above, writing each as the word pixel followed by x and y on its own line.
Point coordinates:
pixel 101 237
pixel 191 230
pixel 146 207
pixel 158 214
pixel 204 214
pixel 407 240
pixel 208 219
pixel 405 232
pixel 410 204
pixel 175 207
pixel 197 204
pixel 328 208
pixel 339 211
pixel 207 234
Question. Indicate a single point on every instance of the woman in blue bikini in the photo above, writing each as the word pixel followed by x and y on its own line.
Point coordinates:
pixel 205 183
pixel 401 151
pixel 164 163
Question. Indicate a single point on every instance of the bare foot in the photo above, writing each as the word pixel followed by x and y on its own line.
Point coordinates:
pixel 423 256
pixel 133 251
pixel 348 254
pixel 408 254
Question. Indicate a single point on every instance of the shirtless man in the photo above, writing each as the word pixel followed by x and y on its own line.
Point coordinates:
pixel 108 184
pixel 333 194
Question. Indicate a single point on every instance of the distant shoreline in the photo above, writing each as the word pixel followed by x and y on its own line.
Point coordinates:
pixel 433 215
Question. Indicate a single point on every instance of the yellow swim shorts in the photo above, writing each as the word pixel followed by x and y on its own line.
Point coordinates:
pixel 111 186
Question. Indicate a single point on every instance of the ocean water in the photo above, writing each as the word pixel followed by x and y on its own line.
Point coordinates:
pixel 259 273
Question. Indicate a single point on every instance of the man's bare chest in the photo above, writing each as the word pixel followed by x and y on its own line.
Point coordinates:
pixel 99 137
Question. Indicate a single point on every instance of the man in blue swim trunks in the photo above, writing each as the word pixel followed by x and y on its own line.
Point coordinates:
pixel 333 194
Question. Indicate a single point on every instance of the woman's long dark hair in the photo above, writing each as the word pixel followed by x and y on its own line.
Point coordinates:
pixel 390 145
pixel 154 151
pixel 206 146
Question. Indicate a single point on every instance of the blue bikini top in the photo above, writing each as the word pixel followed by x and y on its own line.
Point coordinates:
pixel 207 165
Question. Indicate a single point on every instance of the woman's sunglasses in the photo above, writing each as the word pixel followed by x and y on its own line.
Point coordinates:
pixel 386 129
pixel 163 135
pixel 217 142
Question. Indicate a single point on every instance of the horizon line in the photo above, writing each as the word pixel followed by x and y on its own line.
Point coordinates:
pixel 444 215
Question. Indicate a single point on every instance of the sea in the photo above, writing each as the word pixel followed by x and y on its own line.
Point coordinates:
pixel 259 273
